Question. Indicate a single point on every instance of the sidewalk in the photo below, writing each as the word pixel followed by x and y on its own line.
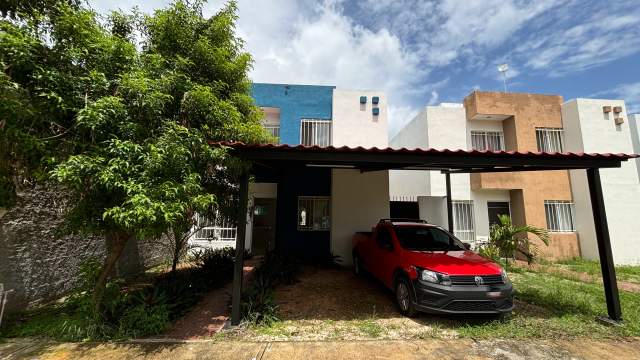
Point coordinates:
pixel 421 349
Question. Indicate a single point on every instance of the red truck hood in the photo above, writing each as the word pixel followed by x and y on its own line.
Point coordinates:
pixel 454 262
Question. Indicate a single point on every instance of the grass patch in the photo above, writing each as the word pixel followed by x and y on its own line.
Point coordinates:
pixel 570 308
pixel 370 328
pixel 629 273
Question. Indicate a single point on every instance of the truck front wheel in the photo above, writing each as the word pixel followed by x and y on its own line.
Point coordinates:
pixel 404 297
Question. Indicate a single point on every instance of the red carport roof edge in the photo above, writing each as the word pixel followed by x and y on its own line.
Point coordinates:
pixel 419 151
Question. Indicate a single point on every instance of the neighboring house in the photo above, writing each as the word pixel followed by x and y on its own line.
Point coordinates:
pixel 313 212
pixel 550 199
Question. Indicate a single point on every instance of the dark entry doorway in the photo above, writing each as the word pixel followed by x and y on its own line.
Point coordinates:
pixel 496 208
pixel 264 226
pixel 404 209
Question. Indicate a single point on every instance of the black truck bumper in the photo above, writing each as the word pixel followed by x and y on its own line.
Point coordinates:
pixel 463 299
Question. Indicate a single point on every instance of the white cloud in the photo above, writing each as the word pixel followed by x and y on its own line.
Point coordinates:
pixel 629 92
pixel 320 45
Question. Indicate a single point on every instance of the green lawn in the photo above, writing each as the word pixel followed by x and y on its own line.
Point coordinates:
pixel 560 307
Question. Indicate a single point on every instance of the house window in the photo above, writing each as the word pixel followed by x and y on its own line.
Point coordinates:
pixel 315 132
pixel 274 130
pixel 313 213
pixel 550 139
pixel 487 140
pixel 271 122
pixel 560 215
pixel 463 222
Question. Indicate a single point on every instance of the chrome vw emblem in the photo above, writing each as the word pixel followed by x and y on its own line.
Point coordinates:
pixel 479 280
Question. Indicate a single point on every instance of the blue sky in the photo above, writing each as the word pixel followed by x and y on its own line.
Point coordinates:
pixel 427 52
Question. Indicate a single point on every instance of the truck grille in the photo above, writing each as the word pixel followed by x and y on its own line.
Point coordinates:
pixel 459 305
pixel 471 279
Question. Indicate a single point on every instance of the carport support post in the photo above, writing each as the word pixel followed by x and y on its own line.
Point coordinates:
pixel 604 245
pixel 240 241
pixel 447 177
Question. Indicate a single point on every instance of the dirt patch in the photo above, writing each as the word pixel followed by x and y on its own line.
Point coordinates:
pixel 333 294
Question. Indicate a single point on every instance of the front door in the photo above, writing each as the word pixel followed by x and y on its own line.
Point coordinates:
pixel 264 226
pixel 497 208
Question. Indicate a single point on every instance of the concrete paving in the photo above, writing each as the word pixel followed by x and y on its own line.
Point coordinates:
pixel 420 349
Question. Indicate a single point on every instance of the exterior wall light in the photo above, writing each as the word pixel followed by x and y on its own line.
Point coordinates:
pixel 606 109
pixel 617 109
pixel 376 111
pixel 375 100
pixel 363 99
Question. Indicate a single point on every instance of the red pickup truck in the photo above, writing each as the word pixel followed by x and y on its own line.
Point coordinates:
pixel 430 270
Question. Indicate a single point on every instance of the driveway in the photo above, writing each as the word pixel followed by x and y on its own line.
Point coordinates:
pixel 401 349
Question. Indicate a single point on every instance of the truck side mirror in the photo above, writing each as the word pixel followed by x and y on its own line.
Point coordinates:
pixel 467 246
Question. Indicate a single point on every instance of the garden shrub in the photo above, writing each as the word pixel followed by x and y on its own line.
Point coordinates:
pixel 258 305
pixel 127 312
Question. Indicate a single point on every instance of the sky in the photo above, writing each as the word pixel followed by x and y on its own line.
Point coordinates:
pixel 427 52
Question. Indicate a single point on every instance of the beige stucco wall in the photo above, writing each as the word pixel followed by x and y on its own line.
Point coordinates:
pixel 526 112
pixel 354 124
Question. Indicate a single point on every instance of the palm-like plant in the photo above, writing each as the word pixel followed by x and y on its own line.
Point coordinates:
pixel 510 240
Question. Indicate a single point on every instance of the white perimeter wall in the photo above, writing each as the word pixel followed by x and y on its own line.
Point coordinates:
pixel 358 201
pixel 354 124
pixel 588 129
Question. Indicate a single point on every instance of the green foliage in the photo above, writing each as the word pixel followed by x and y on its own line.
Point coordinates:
pixel 258 305
pixel 125 128
pixel 507 240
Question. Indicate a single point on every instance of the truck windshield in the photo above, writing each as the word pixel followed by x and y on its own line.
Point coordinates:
pixel 421 238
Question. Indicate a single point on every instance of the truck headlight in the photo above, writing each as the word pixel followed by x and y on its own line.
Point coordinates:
pixel 433 277
pixel 505 278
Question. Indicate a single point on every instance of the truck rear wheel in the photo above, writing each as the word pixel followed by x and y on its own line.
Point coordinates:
pixel 405 298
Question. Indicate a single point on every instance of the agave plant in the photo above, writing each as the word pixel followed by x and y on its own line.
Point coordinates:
pixel 510 240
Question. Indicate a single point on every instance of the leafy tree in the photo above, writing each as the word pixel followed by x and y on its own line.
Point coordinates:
pixel 121 112
pixel 508 240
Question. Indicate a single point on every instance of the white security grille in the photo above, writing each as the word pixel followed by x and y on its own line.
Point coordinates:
pixel 487 140
pixel 217 229
pixel 463 224
pixel 550 139
pixel 315 132
pixel 560 215
pixel 274 130
pixel 313 213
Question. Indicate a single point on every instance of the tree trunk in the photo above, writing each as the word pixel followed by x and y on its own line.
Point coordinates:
pixel 114 250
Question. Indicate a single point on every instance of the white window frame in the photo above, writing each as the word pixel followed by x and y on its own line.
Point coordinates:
pixel 463 214
pixel 312 206
pixel 315 132
pixel 491 140
pixel 550 139
pixel 274 130
pixel 560 216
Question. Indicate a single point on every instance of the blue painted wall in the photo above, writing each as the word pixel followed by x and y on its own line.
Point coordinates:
pixel 295 102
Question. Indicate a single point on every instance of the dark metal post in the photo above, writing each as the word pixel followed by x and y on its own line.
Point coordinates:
pixel 604 245
pixel 449 206
pixel 240 243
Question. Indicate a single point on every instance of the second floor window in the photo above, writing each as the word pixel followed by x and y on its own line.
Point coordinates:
pixel 487 140
pixel 315 132
pixel 550 139
pixel 271 122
